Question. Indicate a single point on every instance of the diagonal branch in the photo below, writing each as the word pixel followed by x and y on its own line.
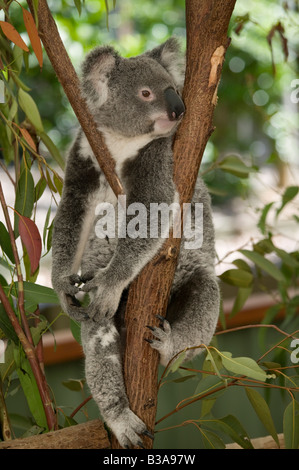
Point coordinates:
pixel 69 80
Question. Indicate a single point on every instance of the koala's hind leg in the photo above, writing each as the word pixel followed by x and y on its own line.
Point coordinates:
pixel 101 344
pixel 191 317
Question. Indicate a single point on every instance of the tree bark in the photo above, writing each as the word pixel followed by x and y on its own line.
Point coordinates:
pixel 90 435
pixel 207 24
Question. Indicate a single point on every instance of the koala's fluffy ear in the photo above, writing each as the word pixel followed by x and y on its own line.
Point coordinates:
pixel 170 56
pixel 95 73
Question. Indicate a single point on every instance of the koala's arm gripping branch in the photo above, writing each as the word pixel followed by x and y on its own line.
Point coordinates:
pixel 68 78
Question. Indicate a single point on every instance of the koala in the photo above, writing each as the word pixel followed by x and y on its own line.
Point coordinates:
pixel 137 105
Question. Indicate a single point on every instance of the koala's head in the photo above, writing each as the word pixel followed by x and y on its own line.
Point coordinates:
pixel 135 96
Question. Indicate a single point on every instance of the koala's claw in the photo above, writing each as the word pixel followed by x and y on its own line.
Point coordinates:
pixel 127 427
pixel 88 276
pixel 164 340
pixel 148 434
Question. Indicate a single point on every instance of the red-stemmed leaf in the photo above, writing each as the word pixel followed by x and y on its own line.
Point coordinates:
pixel 12 34
pixel 33 35
pixel 32 241
pixel 28 138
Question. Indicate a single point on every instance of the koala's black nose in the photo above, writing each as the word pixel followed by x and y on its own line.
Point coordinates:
pixel 174 104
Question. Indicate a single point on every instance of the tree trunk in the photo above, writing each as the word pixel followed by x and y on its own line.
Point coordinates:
pixel 207 24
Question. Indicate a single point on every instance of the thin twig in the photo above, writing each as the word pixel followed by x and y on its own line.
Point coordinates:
pixel 21 299
pixel 30 353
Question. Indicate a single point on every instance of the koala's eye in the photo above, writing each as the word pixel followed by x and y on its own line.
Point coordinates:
pixel 146 94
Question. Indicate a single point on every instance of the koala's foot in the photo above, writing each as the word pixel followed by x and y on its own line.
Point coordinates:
pixel 127 427
pixel 164 342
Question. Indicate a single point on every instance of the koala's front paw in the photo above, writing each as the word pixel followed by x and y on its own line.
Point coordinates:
pixel 74 309
pixel 67 284
pixel 127 427
pixel 164 342
pixel 105 297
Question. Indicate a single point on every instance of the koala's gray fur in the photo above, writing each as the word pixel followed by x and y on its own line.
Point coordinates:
pixel 138 131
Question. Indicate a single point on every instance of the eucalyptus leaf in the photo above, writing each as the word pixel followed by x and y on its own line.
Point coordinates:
pixel 5 243
pixel 30 389
pixel 262 410
pixel 291 425
pixel 264 264
pixel 29 107
pixel 211 440
pixel 243 366
pixel 234 165
pixel 76 330
pixel 24 197
pixel 237 277
pixel 230 426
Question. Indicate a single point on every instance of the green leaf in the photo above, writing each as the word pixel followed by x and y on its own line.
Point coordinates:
pixel 30 389
pixel 287 258
pixel 215 367
pixel 235 166
pixel 58 183
pixel 30 109
pixel 176 363
pixel 68 421
pixel 243 366
pixel 264 264
pixel 52 149
pixel 291 425
pixel 76 330
pixel 264 247
pixel 33 431
pixel 46 226
pixel 76 385
pixel 211 440
pixel 289 194
pixel 184 378
pixel 262 222
pixel 241 264
pixel 242 296
pixel 230 426
pixel 36 294
pixel 78 6
pixel 237 277
pixel 5 243
pixel 7 368
pixel 38 331
pixel 262 410
pixel 208 384
pixel 24 197
pixel 40 188
pixel 6 326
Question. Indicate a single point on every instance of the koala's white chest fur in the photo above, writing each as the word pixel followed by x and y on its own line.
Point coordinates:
pixel 121 149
